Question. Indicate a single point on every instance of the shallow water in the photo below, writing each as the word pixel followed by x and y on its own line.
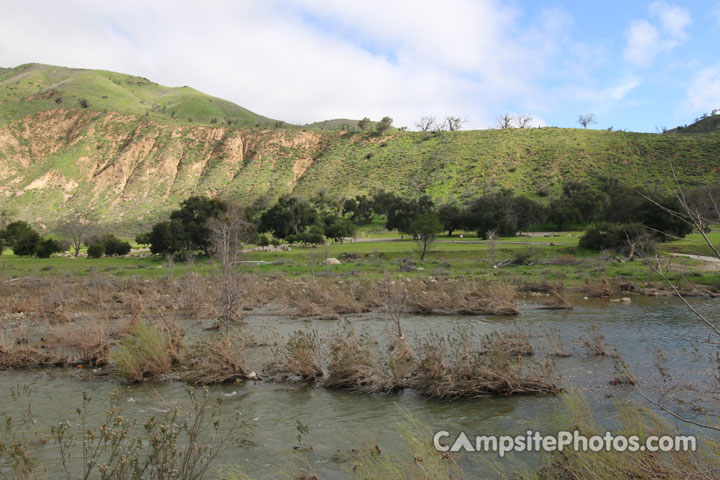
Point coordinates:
pixel 339 421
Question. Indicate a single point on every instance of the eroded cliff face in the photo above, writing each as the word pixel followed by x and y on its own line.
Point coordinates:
pixel 133 171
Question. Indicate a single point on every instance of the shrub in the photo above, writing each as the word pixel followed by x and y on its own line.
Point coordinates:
pixel 187 228
pixel 312 238
pixel 615 236
pixel 340 228
pixel 13 231
pixel 47 247
pixel 143 238
pixel 263 241
pixel 96 250
pixel 142 354
pixel 115 246
pixel 26 243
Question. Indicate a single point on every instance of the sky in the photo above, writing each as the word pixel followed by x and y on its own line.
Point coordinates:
pixel 636 65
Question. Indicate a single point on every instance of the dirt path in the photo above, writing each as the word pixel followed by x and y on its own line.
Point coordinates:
pixel 397 239
pixel 711 263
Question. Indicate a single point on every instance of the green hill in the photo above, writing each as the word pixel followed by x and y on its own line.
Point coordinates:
pixel 704 124
pixel 34 87
pixel 131 162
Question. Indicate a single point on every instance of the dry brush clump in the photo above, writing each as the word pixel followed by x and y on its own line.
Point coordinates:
pixel 315 297
pixel 512 342
pixel 459 297
pixel 66 345
pixel 453 367
pixel 351 365
pixel 594 342
pixel 85 344
pixel 57 300
pixel 558 301
pixel 15 353
pixel 330 298
pixel 555 344
pixel 604 290
pixel 354 365
pixel 300 358
pixel 217 360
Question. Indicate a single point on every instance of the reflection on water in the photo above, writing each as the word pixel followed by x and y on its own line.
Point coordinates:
pixel 339 421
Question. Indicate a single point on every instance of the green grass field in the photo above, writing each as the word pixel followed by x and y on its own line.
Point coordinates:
pixel 450 256
pixel 693 244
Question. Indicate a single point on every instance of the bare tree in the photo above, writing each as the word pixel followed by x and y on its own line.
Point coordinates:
pixel 492 236
pixel 523 121
pixel 425 124
pixel 587 119
pixel 77 228
pixel 454 123
pixel 228 232
pixel 504 121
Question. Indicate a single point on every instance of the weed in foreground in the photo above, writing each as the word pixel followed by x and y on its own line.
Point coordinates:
pixel 633 420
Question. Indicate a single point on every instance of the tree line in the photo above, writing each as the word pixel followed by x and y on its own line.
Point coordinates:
pixel 74 231
pixel 618 216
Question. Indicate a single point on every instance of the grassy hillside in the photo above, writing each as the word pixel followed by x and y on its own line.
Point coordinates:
pixel 132 170
pixel 129 160
pixel 705 124
pixel 532 161
pixel 34 87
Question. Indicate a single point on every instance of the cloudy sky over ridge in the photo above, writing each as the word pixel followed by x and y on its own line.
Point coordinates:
pixel 638 65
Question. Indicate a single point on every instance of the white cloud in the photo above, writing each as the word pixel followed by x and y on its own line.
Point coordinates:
pixel 703 93
pixel 674 19
pixel 643 43
pixel 601 99
pixel 309 60
pixel 645 40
